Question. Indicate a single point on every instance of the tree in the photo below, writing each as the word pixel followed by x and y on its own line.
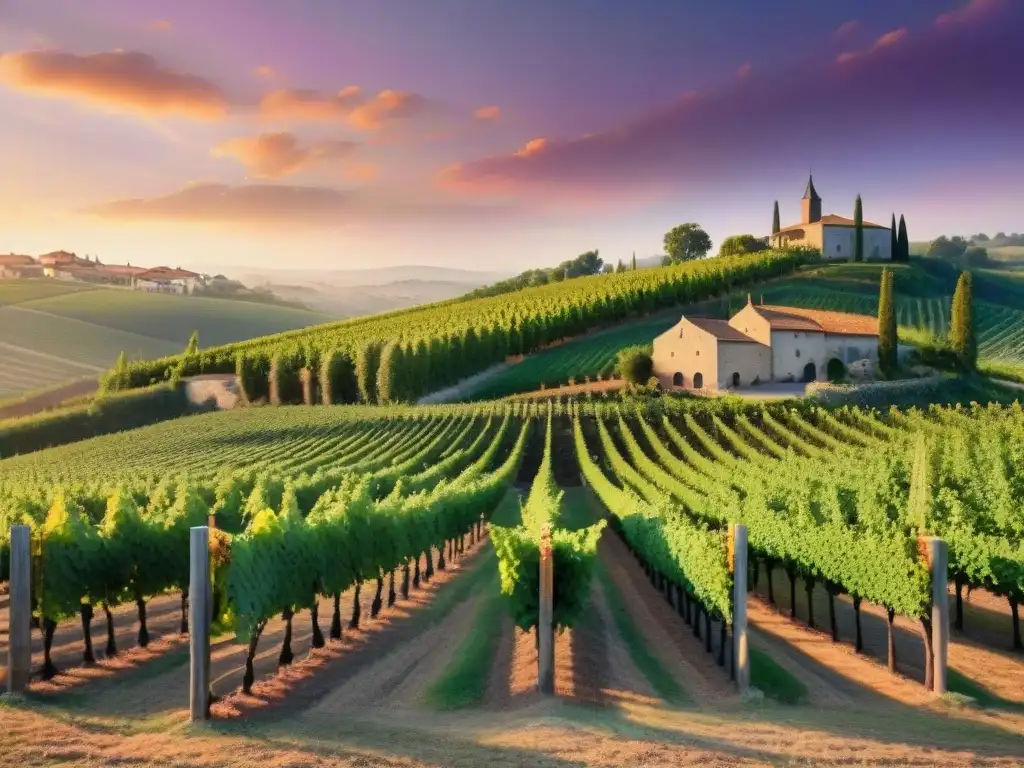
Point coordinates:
pixel 776 225
pixel 687 242
pixel 961 323
pixel 886 326
pixel 620 267
pixel 193 345
pixel 894 244
pixel 858 230
pixel 903 240
pixel 975 256
pixel 635 364
pixel 950 248
pixel 737 244
pixel 633 265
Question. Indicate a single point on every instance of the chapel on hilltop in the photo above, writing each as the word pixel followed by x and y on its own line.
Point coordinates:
pixel 832 234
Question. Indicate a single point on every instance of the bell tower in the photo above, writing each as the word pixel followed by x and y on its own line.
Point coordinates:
pixel 810 203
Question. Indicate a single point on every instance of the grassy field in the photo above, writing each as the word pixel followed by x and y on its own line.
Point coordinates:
pixel 923 296
pixel 52 331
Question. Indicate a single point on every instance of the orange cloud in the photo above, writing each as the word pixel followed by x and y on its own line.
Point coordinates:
pixel 888 40
pixel 533 147
pixel 281 205
pixel 124 81
pixel 162 25
pixel 264 71
pixel 349 104
pixel 973 10
pixel 363 172
pixel 847 28
pixel 743 70
pixel 386 106
pixel 488 113
pixel 273 155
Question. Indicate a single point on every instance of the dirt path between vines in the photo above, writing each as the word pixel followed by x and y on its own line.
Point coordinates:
pixel 400 677
pixel 667 635
pixel 980 652
pixel 162 686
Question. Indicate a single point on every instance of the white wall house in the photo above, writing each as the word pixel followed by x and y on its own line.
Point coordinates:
pixel 165 280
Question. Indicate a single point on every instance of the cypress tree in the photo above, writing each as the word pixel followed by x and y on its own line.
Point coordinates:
pixel 961 323
pixel 776 225
pixel 367 362
pixel 858 231
pixel 903 240
pixel 633 266
pixel 894 243
pixel 193 344
pixel 388 374
pixel 886 326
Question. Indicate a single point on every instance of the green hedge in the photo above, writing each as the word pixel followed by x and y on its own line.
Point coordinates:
pixel 106 414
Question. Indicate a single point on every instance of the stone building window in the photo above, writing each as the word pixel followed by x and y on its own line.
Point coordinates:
pixel 698 353
pixel 798 353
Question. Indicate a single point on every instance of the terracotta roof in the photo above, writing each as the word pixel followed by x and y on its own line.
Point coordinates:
pixel 165 273
pixel 59 257
pixel 799 319
pixel 833 220
pixel 119 269
pixel 720 329
pixel 14 260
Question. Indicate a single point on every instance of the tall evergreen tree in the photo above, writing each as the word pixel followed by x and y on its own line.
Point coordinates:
pixel 858 231
pixel 894 244
pixel 961 323
pixel 887 359
pixel 903 240
pixel 193 344
pixel 633 266
pixel 776 226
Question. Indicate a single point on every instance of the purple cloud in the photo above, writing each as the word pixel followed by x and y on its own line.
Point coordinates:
pixel 923 84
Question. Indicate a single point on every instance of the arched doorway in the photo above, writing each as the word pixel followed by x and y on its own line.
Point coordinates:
pixel 836 370
pixel 698 381
pixel 735 379
pixel 677 379
pixel 810 372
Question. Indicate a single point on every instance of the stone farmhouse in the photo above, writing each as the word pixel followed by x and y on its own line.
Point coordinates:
pixel 761 343
pixel 831 234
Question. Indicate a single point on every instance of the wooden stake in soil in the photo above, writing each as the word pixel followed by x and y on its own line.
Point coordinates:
pixel 938 563
pixel 199 622
pixel 741 649
pixel 19 643
pixel 545 630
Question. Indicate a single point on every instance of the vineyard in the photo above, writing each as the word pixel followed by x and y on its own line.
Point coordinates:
pixel 312 501
pixel 922 309
pixel 399 356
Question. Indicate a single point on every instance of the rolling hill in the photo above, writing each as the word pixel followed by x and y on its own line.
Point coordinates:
pixel 52 331
pixel 924 289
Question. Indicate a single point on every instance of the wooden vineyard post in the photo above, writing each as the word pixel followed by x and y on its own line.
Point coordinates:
pixel 738 564
pixel 938 564
pixel 19 643
pixel 199 622
pixel 545 630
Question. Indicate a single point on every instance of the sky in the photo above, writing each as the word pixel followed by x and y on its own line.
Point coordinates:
pixel 492 134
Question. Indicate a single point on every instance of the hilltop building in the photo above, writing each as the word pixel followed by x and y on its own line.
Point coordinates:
pixel 831 234
pixel 759 344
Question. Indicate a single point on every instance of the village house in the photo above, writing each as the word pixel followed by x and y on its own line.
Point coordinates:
pixel 831 234
pixel 17 267
pixel 761 343
pixel 165 280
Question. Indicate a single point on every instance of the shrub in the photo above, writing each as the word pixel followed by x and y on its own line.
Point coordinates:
pixel 252 371
pixel 338 379
pixel 285 382
pixel 635 364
